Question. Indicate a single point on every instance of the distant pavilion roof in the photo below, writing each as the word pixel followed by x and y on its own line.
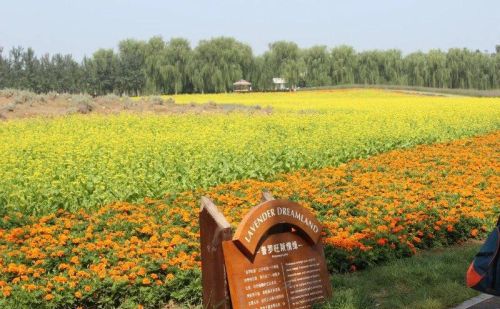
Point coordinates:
pixel 242 82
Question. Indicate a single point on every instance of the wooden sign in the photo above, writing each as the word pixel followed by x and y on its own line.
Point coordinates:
pixel 275 258
pixel 213 230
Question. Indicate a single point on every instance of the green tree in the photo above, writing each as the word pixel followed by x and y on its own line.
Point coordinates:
pixel 16 68
pixel 30 69
pixel 100 72
pixel 157 66
pixel 438 73
pixel 131 77
pixel 218 63
pixel 284 60
pixel 343 65
pixel 178 54
pixel 318 66
pixel 4 70
pixel 66 74
pixel 155 61
pixel 454 61
pixel 367 69
pixel 390 64
pixel 416 71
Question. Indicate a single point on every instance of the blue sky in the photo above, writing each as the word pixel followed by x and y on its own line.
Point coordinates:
pixel 81 27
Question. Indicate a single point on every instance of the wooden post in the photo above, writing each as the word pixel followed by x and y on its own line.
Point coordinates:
pixel 214 229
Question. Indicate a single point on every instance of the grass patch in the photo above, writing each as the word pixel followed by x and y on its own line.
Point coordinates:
pixel 432 279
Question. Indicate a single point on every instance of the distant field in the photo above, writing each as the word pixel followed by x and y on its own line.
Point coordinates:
pixel 84 161
pixel 336 99
pixel 425 90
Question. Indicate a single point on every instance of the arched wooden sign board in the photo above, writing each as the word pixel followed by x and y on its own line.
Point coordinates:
pixel 269 214
pixel 274 260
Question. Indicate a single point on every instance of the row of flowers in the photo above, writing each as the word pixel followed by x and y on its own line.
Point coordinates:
pixel 372 210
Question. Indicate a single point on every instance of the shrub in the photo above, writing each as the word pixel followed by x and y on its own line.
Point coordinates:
pixel 109 98
pixel 84 102
pixel 10 107
pixel 22 97
pixel 42 98
pixel 156 100
pixel 52 95
pixel 8 92
pixel 128 103
pixel 66 96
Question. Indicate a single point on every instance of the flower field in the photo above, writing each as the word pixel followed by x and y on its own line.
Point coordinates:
pixel 83 162
pixel 143 254
pixel 101 211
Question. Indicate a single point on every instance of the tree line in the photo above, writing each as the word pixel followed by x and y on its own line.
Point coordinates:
pixel 157 66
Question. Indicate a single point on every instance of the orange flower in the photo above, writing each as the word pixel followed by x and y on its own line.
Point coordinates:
pixel 74 260
pixel 6 291
pixel 49 297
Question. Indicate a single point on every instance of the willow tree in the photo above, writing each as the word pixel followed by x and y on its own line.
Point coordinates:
pixel 284 60
pixel 416 70
pixel 154 64
pixel 390 63
pixel 497 70
pixel 218 63
pixel 343 65
pixel 175 73
pixel 317 63
pixel 438 73
pixel 367 68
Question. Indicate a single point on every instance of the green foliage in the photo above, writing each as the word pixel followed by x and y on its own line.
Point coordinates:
pixel 172 67
pixel 218 63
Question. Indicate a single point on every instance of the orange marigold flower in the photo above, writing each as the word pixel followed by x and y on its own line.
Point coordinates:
pixel 49 297
pixel 474 232
pixel 78 294
pixel 6 291
pixel 146 281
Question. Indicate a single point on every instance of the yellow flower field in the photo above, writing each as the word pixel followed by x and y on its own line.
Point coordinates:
pixel 82 162
pixel 362 100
